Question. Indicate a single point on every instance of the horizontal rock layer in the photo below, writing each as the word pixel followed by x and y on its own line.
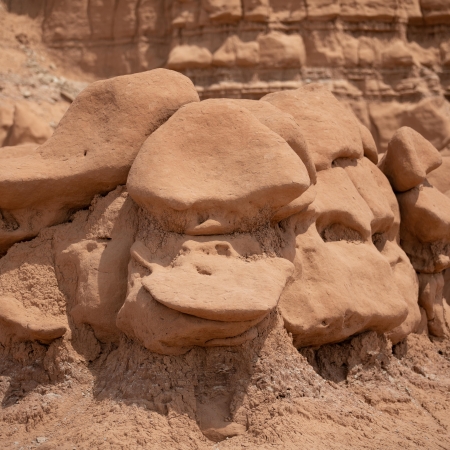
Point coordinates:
pixel 388 60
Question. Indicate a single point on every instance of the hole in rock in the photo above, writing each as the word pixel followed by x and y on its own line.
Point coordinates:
pixel 203 271
pixel 223 249
pixel 8 222
pixel 338 232
pixel 379 240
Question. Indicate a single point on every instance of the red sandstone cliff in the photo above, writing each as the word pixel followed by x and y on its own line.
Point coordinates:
pixel 389 60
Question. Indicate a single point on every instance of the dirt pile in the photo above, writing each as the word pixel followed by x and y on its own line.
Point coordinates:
pixel 221 274
pixel 387 60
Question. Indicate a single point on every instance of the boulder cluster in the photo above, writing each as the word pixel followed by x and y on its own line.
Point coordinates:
pixel 179 223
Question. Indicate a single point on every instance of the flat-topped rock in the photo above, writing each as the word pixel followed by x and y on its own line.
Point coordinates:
pixel 215 284
pixel 215 161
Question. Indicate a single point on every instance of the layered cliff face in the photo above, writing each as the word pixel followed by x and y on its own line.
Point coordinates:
pixel 388 60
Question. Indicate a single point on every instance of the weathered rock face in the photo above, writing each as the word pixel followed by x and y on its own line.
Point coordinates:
pixel 387 60
pixel 212 223
pixel 233 208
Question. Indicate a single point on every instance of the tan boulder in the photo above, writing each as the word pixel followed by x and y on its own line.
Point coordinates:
pixel 184 13
pixel 210 281
pixel 323 48
pixel 363 175
pixel 346 285
pixel 169 332
pixel 256 10
pixel 319 113
pixel 425 227
pixel 27 127
pixel 247 53
pixel 396 54
pixel 235 52
pixel 91 150
pixel 213 287
pixel 222 11
pixel 287 10
pixel 227 179
pixel 18 323
pixel 93 262
pixel 382 10
pixel 410 157
pixel 425 213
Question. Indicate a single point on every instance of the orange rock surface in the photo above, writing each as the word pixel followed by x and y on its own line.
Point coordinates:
pixel 266 271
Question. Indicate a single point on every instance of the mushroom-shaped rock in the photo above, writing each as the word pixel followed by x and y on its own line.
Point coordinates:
pixel 214 168
pixel 213 293
pixel 347 284
pixel 330 130
pixel 410 157
pixel 90 152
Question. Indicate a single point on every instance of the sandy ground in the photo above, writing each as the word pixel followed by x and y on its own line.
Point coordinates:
pixel 359 394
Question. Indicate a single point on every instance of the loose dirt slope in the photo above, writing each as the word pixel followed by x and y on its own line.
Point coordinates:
pixel 127 398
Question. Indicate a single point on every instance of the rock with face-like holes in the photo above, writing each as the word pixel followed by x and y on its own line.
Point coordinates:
pixel 215 276
pixel 350 273
pixel 235 208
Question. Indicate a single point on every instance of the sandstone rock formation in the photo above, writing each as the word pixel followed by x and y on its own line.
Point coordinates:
pixel 388 61
pixel 425 225
pixel 107 145
pixel 156 222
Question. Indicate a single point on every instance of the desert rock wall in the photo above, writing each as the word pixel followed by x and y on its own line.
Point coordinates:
pixel 388 60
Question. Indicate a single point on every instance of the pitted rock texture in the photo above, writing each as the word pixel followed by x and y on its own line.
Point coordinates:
pixel 386 60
